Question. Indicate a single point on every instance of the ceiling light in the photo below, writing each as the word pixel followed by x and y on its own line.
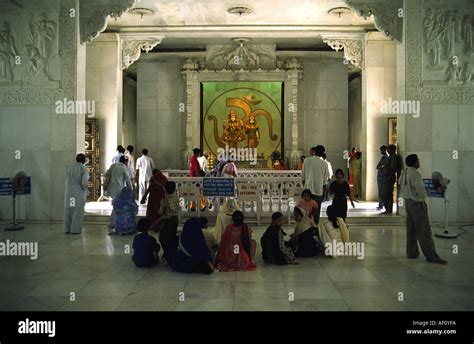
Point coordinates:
pixel 240 10
pixel 339 11
pixel 141 11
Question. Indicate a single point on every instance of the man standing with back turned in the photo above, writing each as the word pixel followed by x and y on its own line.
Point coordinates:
pixel 75 195
pixel 418 223
pixel 315 174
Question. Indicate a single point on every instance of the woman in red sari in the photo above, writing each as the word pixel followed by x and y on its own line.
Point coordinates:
pixel 237 248
pixel 156 192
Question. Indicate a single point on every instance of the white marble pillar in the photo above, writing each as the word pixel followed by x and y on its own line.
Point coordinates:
pixel 190 76
pixel 293 77
pixel 104 86
pixel 379 83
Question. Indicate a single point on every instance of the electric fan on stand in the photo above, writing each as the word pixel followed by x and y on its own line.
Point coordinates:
pixel 441 184
pixel 18 183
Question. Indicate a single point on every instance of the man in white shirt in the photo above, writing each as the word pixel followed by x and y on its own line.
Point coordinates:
pixel 315 174
pixel 131 166
pixel 118 155
pixel 75 195
pixel 418 224
pixel 131 162
pixel 203 161
pixel 145 166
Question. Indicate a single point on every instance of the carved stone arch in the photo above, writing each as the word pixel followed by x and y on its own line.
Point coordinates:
pixel 93 15
pixel 388 15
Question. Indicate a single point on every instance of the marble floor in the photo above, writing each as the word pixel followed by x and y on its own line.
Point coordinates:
pixel 93 271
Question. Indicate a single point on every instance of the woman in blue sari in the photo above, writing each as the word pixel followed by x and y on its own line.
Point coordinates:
pixel 126 210
pixel 192 254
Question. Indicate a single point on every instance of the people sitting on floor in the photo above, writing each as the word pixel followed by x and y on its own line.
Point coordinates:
pixel 224 218
pixel 307 203
pixel 274 248
pixel 145 246
pixel 303 239
pixel 126 210
pixel 237 248
pixel 192 254
pixel 168 220
pixel 332 230
pixel 211 241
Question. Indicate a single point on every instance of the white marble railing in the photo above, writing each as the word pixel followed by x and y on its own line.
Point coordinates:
pixel 275 193
pixel 245 173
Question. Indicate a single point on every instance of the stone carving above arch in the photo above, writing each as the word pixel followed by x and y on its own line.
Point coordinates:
pixel 353 47
pixel 132 47
pixel 94 13
pixel 244 56
pixel 388 15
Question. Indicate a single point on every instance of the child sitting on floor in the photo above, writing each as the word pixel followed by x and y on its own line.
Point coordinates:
pixel 145 246
pixel 307 203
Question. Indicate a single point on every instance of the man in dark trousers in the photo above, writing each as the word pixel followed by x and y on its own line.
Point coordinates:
pixel 390 171
pixel 315 174
pixel 380 166
pixel 418 224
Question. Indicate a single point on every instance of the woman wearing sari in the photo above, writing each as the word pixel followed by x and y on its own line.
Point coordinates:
pixel 192 254
pixel 156 192
pixel 332 230
pixel 224 218
pixel 237 248
pixel 303 238
pixel 126 210
pixel 356 175
pixel 229 170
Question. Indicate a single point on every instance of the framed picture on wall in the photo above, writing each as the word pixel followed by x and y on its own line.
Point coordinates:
pixel 392 131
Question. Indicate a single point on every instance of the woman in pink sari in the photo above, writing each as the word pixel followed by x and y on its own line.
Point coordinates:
pixel 237 248
pixel 156 190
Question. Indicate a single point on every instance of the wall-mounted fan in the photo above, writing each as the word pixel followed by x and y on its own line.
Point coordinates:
pixel 18 183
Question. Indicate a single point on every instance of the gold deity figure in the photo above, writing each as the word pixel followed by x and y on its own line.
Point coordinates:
pixel 233 130
pixel 253 134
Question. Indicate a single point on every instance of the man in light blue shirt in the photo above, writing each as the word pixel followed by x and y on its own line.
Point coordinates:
pixel 75 195
pixel 418 224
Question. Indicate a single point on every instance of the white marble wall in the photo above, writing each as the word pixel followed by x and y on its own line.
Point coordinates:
pixel 325 107
pixel 160 90
pixel 104 86
pixel 442 135
pixel 29 126
pixel 445 146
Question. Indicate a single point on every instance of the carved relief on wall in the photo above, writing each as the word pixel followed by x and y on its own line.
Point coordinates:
pixel 387 16
pixel 240 56
pixel 8 52
pixel 430 85
pixel 41 49
pixel 93 19
pixel 448 44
